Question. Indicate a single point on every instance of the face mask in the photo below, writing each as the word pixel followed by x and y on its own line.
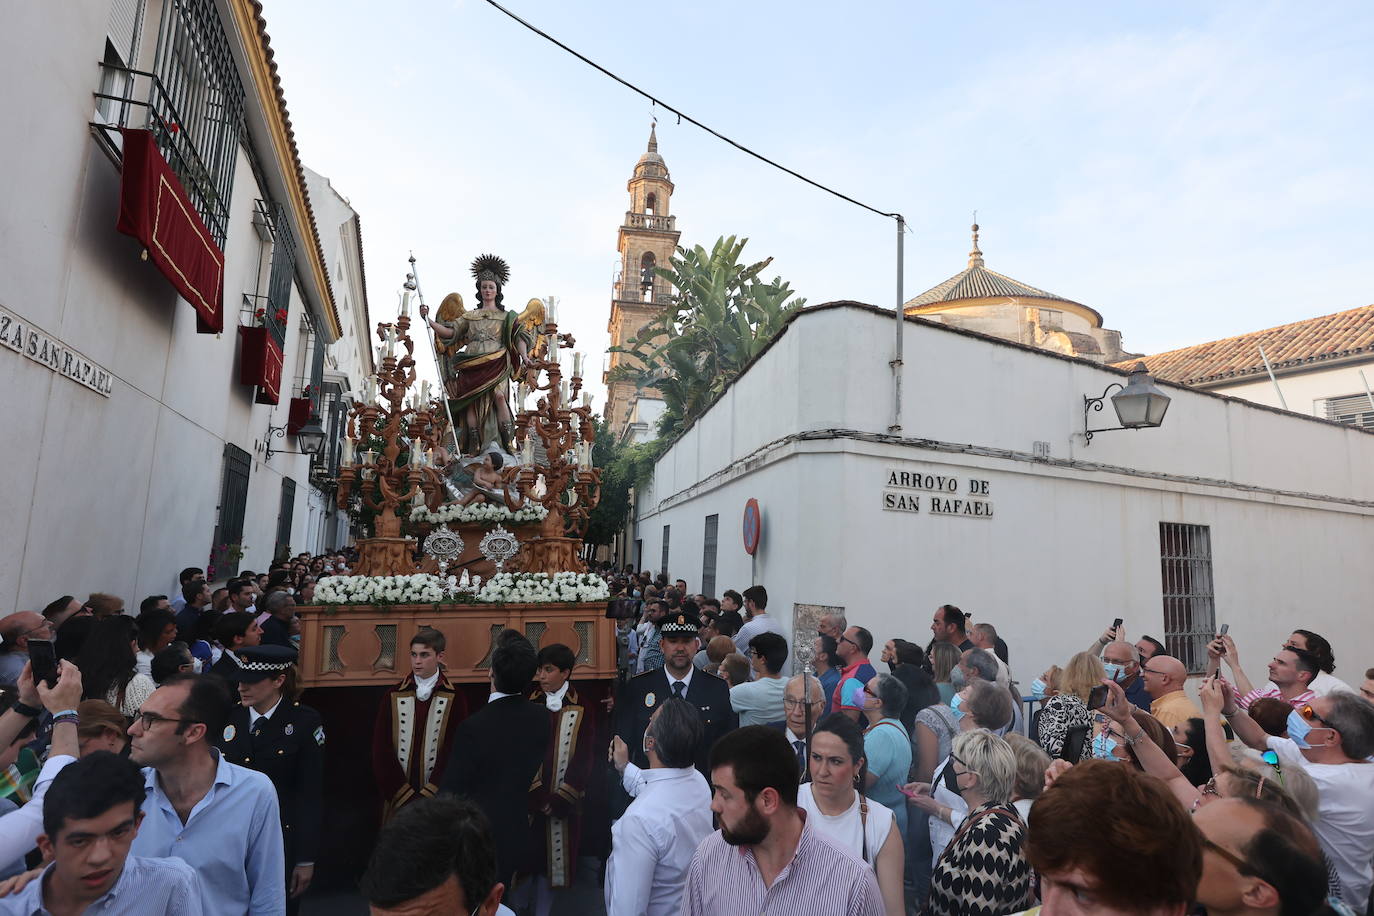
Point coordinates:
pixel 1114 671
pixel 955 705
pixel 1103 745
pixel 951 780
pixel 1038 688
pixel 957 677
pixel 1298 729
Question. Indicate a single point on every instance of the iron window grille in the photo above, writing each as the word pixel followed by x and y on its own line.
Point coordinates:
pixel 710 538
pixel 233 501
pixel 270 219
pixel 664 567
pixel 1185 562
pixel 192 103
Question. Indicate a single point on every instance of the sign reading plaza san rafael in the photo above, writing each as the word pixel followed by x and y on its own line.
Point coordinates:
pixel 948 494
pixel 22 337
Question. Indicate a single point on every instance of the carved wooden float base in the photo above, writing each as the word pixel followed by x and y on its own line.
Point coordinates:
pixel 359 645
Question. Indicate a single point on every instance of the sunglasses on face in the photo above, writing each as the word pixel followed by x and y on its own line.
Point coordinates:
pixel 1241 865
pixel 1272 758
pixel 850 641
pixel 1310 714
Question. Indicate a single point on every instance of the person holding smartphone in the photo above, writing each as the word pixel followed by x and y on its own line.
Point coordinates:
pixel 19 830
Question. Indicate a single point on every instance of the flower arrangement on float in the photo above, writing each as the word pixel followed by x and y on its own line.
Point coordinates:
pixel 424 588
pixel 479 512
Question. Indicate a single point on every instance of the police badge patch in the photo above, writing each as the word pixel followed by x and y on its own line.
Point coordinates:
pixel 319 736
pixel 229 732
pixel 649 699
pixel 290 728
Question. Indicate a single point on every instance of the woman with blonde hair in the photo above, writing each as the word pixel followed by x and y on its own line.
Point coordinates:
pixel 983 869
pixel 1069 708
pixel 944 658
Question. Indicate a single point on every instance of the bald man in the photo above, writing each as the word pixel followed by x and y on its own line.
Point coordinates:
pixel 1164 677
pixel 793 726
pixel 17 629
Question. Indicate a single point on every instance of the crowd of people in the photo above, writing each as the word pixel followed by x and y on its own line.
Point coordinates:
pixel 163 763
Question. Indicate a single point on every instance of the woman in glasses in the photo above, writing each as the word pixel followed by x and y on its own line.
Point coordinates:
pixel 887 744
pixel 835 804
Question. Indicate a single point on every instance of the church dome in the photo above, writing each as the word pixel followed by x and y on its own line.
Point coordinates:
pixel 976 284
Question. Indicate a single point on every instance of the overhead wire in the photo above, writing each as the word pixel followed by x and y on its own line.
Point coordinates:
pixel 688 118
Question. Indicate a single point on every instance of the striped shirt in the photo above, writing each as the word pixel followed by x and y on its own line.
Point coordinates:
pixel 146 887
pixel 1269 692
pixel 823 879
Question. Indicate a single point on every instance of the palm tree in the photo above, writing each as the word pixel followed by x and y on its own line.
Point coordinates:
pixel 720 319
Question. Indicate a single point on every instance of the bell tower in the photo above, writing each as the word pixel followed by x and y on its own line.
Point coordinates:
pixel 647 240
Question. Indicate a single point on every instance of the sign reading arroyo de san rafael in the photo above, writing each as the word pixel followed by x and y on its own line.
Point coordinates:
pixel 914 489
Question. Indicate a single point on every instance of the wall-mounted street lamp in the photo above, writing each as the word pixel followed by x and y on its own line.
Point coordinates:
pixel 1139 404
pixel 309 437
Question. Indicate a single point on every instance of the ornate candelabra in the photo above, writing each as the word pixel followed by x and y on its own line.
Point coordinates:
pixel 381 480
pixel 572 487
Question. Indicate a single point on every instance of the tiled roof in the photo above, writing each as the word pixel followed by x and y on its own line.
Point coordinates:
pixel 1308 342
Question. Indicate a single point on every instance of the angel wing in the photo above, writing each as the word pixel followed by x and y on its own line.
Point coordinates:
pixel 532 320
pixel 449 310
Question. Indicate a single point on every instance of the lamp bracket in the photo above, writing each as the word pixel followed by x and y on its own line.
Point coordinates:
pixel 1091 404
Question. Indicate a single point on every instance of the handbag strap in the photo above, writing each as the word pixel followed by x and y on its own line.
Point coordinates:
pixel 863 824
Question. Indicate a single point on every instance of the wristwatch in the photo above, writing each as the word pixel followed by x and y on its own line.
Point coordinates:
pixel 24 709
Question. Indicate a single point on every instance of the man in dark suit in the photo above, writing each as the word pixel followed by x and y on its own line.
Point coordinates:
pixel 498 749
pixel 678 677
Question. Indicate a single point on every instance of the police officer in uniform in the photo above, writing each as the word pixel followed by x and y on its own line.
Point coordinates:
pixel 678 677
pixel 271 732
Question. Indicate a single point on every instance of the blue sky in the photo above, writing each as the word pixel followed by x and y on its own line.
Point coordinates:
pixel 1190 170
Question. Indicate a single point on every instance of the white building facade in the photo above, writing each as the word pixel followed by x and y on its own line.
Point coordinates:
pixel 140 448
pixel 992 500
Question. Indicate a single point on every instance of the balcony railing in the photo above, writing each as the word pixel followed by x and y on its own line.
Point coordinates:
pixel 145 103
pixel 649 221
pixel 633 292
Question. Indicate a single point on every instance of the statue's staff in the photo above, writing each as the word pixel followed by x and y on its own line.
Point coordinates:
pixel 413 282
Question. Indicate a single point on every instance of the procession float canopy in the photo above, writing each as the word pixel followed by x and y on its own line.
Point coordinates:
pixel 476 527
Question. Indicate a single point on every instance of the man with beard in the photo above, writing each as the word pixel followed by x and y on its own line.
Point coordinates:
pixel 677 678
pixel 782 863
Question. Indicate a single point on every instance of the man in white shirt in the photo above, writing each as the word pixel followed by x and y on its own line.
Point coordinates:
pixel 1331 738
pixel 759 701
pixel 756 603
pixel 654 841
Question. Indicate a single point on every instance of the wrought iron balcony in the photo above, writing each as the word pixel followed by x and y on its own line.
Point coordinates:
pixel 199 144
pixel 633 292
pixel 650 222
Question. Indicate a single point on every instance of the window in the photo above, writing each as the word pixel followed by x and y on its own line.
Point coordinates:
pixel 650 203
pixel 284 514
pixel 233 499
pixel 708 556
pixel 270 217
pixel 647 265
pixel 664 567
pixel 1185 564
pixel 196 108
pixel 1353 409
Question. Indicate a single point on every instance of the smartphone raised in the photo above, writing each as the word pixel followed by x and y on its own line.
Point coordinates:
pixel 1097 696
pixel 43 661
pixel 1116 624
pixel 1073 743
pixel 1225 628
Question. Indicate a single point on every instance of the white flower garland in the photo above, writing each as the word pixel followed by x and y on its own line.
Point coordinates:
pixel 423 588
pixel 479 512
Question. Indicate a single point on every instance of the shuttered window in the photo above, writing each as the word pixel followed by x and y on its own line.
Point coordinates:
pixel 1353 409
pixel 233 501
pixel 708 555
pixel 664 567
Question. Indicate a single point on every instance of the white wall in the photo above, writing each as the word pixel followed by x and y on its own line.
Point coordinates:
pixel 1305 391
pixel 112 494
pixel 1073 542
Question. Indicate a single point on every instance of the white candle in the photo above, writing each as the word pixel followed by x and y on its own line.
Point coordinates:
pixel 369 457
pixel 553 348
pixel 552 317
pixel 424 392
pixel 347 452
pixel 370 389
pixel 405 304
pixel 577 365
pixel 429 457
pixel 563 392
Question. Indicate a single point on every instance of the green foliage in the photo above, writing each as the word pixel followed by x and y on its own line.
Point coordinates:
pixel 722 317
pixel 623 466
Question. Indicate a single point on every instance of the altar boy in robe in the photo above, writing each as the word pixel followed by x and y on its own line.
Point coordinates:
pixel 415 723
pixel 558 789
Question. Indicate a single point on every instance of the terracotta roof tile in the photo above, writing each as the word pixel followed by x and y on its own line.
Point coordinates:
pixel 1312 340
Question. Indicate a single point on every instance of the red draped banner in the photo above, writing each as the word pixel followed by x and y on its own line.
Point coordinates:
pixel 297 416
pixel 260 364
pixel 154 208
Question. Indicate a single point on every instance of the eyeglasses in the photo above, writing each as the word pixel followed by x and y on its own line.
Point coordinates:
pixel 798 702
pixel 844 638
pixel 1144 670
pixel 1272 758
pixel 149 719
pixel 1210 787
pixel 967 769
pixel 868 691
pixel 1310 714
pixel 1241 865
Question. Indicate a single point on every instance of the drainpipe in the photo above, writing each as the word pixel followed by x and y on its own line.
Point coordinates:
pixel 896 427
